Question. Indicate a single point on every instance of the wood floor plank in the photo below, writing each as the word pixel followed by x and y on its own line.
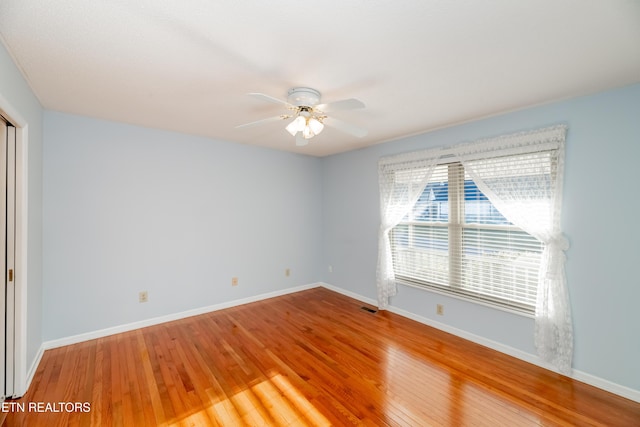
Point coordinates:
pixel 309 358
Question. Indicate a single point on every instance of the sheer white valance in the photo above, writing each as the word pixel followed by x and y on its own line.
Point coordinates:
pixel 521 174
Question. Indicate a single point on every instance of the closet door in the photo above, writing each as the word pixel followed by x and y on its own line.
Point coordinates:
pixel 4 129
pixel 7 256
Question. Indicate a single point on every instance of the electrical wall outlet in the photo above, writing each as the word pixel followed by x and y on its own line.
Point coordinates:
pixel 440 309
pixel 287 272
pixel 234 281
pixel 143 296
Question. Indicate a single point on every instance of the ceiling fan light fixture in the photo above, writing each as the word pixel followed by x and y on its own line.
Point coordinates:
pixel 315 125
pixel 308 133
pixel 297 125
pixel 308 114
pixel 292 128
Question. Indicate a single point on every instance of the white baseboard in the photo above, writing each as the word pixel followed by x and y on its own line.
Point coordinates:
pixel 577 375
pixel 60 342
pixel 609 386
pixel 32 371
pixel 350 294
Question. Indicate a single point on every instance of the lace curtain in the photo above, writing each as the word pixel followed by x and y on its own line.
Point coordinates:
pixel 402 180
pixel 527 196
pixel 528 193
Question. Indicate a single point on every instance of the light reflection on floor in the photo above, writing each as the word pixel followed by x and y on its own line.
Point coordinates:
pixel 272 402
pixel 444 398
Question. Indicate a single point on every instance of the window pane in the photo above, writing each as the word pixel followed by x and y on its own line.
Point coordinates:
pixel 428 237
pixel 421 250
pixel 400 236
pixel 422 253
pixel 477 207
pixel 501 263
pixel 433 204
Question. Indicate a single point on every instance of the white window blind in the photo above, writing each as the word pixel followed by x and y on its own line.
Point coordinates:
pixel 456 240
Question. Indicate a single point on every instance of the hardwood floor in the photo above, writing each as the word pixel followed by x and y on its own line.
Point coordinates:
pixel 309 358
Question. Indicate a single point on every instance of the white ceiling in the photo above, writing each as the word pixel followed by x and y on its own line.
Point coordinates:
pixel 416 64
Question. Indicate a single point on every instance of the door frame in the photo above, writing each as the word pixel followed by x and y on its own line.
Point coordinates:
pixel 21 222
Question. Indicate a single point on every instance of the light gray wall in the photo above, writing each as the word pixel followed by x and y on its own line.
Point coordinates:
pixel 601 207
pixel 129 209
pixel 15 90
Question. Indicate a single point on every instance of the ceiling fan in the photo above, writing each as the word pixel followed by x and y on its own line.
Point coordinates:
pixel 309 116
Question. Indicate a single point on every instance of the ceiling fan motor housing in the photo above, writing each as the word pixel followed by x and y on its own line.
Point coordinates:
pixel 303 97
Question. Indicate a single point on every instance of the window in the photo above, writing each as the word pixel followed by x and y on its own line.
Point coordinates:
pixel 482 219
pixel 455 240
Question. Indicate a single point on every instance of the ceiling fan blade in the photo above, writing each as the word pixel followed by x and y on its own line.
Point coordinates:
pixel 271 99
pixel 345 104
pixel 301 141
pixel 263 121
pixel 345 127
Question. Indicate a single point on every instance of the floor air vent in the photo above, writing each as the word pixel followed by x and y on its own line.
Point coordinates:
pixel 370 310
